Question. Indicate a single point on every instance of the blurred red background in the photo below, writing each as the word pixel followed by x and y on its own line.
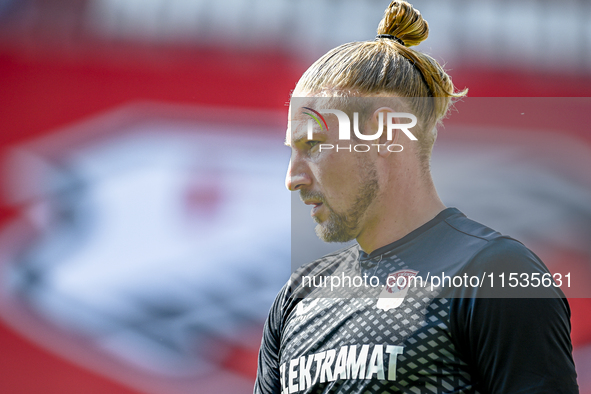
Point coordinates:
pixel 53 74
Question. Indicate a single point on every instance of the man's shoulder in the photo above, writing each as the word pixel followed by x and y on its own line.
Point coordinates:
pixel 506 254
pixel 471 228
pixel 487 243
pixel 507 269
pixel 323 266
pixel 459 245
pixel 327 263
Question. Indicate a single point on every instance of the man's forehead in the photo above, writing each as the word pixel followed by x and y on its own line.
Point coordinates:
pixel 297 121
pixel 300 114
pixel 297 129
pixel 300 105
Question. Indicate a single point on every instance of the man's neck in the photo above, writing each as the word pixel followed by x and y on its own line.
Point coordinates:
pixel 397 215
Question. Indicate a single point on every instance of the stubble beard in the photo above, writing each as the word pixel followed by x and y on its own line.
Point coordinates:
pixel 344 227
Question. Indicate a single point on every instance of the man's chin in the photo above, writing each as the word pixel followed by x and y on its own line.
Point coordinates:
pixel 328 234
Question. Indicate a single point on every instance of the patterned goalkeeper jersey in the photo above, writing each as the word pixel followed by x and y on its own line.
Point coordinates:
pixel 357 323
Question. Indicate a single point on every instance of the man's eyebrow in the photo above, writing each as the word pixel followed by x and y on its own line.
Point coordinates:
pixel 296 140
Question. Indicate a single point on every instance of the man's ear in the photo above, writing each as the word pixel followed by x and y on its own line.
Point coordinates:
pixel 384 148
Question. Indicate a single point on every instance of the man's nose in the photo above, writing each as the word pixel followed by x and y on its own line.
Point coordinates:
pixel 296 177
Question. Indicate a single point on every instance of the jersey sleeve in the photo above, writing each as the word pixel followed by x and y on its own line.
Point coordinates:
pixel 268 379
pixel 516 340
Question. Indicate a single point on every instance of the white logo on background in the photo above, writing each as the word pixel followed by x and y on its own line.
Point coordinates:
pixel 396 288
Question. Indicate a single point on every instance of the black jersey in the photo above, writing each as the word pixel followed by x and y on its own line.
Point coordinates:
pixel 396 338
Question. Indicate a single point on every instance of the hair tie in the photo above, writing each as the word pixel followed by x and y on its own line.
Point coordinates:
pixel 391 37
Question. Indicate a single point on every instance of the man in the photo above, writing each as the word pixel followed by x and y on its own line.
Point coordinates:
pixel 389 314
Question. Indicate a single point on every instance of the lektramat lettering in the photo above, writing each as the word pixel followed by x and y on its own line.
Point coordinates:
pixel 370 361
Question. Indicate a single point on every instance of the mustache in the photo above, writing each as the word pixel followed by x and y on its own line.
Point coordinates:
pixel 310 195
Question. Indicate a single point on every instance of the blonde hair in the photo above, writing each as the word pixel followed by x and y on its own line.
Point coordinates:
pixel 387 66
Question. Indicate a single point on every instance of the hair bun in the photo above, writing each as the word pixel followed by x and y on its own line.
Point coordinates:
pixel 404 22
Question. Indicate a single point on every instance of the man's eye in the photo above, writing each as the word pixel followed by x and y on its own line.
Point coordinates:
pixel 312 144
